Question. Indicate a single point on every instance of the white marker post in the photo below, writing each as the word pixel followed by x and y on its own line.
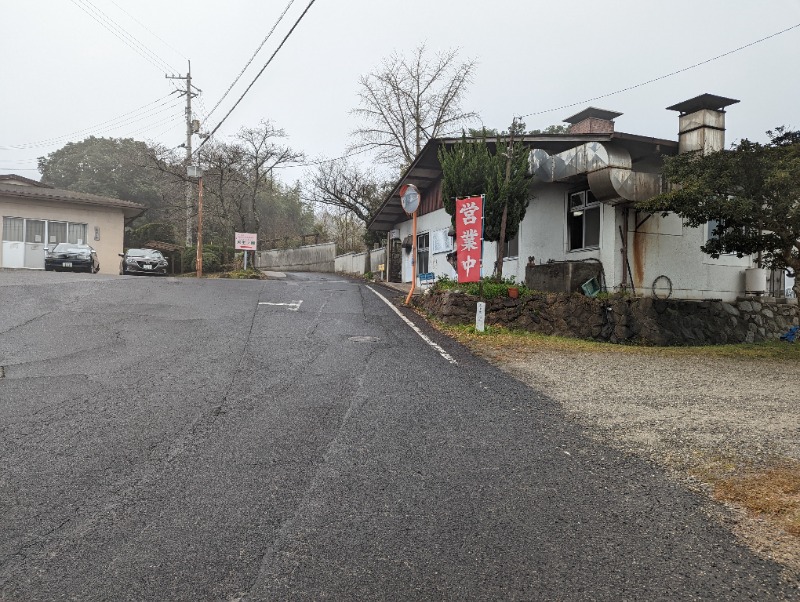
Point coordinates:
pixel 480 317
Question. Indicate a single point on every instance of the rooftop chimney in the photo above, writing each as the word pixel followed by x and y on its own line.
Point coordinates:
pixel 592 121
pixel 701 125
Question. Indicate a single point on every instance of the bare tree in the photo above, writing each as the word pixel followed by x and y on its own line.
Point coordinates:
pixel 261 154
pixel 408 100
pixel 339 183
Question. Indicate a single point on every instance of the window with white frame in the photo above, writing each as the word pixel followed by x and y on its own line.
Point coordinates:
pixel 423 252
pixel 583 221
pixel 13 229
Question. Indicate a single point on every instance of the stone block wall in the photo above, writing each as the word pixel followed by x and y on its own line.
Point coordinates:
pixel 625 319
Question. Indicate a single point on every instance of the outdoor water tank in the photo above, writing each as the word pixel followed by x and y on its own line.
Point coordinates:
pixel 755 281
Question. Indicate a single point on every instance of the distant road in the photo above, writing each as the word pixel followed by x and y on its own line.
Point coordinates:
pixel 295 439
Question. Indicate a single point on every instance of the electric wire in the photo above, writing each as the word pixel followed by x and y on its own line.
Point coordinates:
pixel 322 161
pixel 105 125
pixel 129 35
pixel 655 79
pixel 286 37
pixel 160 39
pixel 128 39
pixel 264 41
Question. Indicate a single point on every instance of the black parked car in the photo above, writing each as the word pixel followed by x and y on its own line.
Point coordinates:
pixel 143 261
pixel 68 257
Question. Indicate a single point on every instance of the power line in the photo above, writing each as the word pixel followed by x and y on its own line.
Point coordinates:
pixel 286 37
pixel 160 39
pixel 172 120
pixel 264 41
pixel 120 32
pixel 655 79
pixel 249 62
pixel 321 161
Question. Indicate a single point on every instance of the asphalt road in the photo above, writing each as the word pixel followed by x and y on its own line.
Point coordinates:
pixel 294 439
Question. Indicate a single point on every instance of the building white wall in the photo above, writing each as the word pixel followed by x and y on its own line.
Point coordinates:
pixel 437 263
pixel 109 220
pixel 661 246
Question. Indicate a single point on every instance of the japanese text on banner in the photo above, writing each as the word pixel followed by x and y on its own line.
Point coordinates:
pixel 469 238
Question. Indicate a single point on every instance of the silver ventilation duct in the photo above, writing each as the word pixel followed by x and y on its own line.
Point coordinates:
pixel 607 167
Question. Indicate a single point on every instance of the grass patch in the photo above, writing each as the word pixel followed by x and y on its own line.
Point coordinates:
pixel 773 493
pixel 244 275
pixel 498 337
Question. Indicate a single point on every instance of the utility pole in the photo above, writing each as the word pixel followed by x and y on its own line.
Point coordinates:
pixel 191 128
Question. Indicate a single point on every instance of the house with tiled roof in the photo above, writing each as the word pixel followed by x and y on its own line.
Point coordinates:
pixel 36 216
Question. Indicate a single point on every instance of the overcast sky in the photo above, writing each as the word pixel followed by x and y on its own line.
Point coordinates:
pixel 66 77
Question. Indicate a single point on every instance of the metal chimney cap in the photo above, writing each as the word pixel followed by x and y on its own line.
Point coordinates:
pixel 704 101
pixel 592 112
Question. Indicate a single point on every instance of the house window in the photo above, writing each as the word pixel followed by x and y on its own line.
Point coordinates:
pixel 77 234
pixel 34 230
pixel 711 226
pixel 13 228
pixel 423 251
pixel 583 221
pixel 56 232
pixel 512 247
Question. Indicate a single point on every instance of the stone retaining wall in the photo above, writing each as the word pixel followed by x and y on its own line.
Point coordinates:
pixel 625 319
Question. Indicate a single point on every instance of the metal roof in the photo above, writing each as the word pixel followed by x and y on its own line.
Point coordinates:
pixel 425 169
pixel 41 193
pixel 593 112
pixel 704 101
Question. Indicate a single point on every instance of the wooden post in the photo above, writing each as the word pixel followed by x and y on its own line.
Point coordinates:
pixel 200 229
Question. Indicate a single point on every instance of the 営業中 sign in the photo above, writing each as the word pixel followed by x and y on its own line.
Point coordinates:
pixel 469 238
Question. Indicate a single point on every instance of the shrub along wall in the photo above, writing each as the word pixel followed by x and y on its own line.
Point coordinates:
pixel 625 319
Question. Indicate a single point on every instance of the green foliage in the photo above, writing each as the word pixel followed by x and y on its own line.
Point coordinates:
pixel 113 167
pixel 511 193
pixel 751 190
pixel 137 237
pixel 368 275
pixel 487 288
pixel 551 129
pixel 466 168
pixel 469 169
pixel 214 258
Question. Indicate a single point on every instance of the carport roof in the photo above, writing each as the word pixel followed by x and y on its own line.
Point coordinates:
pixel 35 191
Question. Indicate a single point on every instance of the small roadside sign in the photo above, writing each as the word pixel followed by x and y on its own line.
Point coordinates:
pixel 245 241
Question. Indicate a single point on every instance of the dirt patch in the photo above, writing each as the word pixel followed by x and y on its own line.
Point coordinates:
pixel 725 426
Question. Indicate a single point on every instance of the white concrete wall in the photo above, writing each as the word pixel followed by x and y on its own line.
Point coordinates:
pixel 663 246
pixel 309 258
pixel 437 263
pixel 109 220
pixel 353 263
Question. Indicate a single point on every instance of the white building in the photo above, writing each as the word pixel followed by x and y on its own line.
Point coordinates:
pixel 585 185
pixel 35 215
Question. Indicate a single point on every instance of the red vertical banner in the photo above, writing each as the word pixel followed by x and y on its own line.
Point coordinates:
pixel 469 238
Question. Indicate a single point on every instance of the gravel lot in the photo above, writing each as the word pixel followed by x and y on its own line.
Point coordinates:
pixel 702 417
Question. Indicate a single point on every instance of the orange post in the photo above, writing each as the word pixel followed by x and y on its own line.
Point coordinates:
pixel 413 258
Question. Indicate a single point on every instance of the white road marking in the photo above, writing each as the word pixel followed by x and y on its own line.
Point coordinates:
pixel 416 329
pixel 293 306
